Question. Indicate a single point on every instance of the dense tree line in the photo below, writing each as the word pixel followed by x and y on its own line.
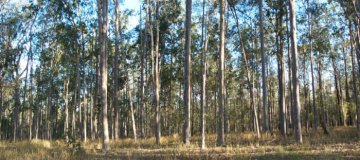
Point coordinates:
pixel 75 70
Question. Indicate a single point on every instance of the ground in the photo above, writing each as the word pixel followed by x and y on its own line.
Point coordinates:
pixel 342 143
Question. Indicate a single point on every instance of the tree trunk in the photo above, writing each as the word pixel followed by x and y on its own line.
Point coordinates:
pixel 263 69
pixel 204 43
pixel 220 115
pixel 94 117
pixel 142 87
pixel 103 20
pixel 281 70
pixel 131 109
pixel 66 122
pixel 295 74
pixel 16 109
pixel 85 104
pixel 187 76
pixel 116 72
pixel 157 76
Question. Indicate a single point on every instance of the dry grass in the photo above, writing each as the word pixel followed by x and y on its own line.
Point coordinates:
pixel 342 143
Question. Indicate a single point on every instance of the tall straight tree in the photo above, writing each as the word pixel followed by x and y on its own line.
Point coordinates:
pixel 157 75
pixel 281 67
pixel 66 122
pixel 115 73
pixel 221 70
pixel 187 75
pixel 295 74
pixel 142 87
pixel 102 23
pixel 204 45
pixel 263 68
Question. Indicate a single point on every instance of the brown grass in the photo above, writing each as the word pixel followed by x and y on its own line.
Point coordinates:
pixel 342 143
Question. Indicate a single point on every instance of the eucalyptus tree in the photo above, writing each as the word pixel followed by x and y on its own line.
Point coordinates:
pixel 187 74
pixel 295 75
pixel 102 24
pixel 263 69
pixel 221 70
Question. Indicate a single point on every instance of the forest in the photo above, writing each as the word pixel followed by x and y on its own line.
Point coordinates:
pixel 179 79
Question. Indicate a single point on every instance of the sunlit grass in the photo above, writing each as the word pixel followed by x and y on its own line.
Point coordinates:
pixel 342 143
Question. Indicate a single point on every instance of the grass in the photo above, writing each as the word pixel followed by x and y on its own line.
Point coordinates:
pixel 342 143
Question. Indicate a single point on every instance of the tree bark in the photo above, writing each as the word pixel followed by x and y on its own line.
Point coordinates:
pixel 157 77
pixel 220 115
pixel 85 104
pixel 295 74
pixel 131 109
pixel 66 122
pixel 263 69
pixel 116 71
pixel 187 76
pixel 103 20
pixel 142 75
pixel 204 43
pixel 281 70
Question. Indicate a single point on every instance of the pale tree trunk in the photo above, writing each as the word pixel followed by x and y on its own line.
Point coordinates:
pixel 30 96
pixel 115 76
pixel 281 70
pixel 248 75
pixel 103 20
pixel 49 118
pixel 347 94
pixel 142 87
pixel 187 75
pixel 66 122
pixel 220 115
pixel 295 74
pixel 290 94
pixel 76 97
pixel 94 117
pixel 131 109
pixel 157 77
pixel 36 121
pixel 16 108
pixel 204 43
pixel 263 69
pixel 85 104
pixel 150 28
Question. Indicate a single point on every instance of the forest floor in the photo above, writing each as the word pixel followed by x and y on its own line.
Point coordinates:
pixel 342 143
